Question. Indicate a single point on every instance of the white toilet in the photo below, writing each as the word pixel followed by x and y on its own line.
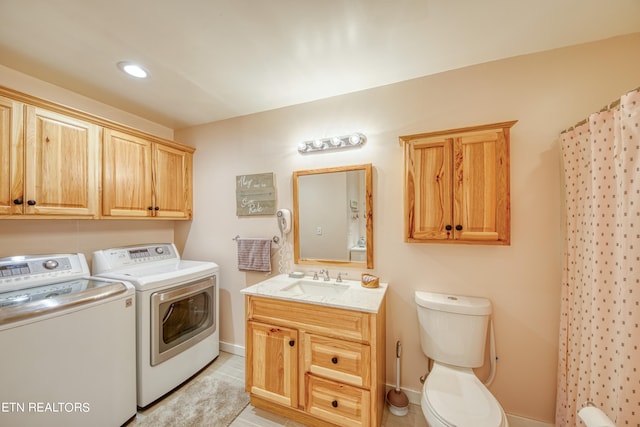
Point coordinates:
pixel 453 332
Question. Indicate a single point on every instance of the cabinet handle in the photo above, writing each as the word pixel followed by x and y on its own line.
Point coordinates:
pixel 448 227
pixel 150 208
pixel 458 227
pixel 156 208
pixel 334 403
pixel 31 202
pixel 292 343
pixel 18 201
pixel 334 360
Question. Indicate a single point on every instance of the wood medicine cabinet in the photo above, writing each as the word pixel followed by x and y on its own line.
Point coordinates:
pixel 456 185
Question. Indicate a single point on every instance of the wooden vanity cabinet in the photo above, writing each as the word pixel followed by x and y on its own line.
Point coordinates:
pixel 143 178
pixel 456 185
pixel 50 163
pixel 321 366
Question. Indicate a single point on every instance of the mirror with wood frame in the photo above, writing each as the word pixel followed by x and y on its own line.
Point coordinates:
pixel 333 216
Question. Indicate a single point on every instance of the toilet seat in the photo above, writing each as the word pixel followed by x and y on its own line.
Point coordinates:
pixel 456 397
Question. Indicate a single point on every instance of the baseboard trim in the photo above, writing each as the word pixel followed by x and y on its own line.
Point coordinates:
pixel 238 350
pixel 517 421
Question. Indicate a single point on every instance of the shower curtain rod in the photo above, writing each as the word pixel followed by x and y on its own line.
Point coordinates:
pixel 611 105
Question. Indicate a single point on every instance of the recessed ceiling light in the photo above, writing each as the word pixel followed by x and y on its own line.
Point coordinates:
pixel 134 70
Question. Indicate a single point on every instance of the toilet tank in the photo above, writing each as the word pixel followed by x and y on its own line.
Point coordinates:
pixel 453 328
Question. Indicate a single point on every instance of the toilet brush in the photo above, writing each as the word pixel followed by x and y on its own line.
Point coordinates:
pixel 396 399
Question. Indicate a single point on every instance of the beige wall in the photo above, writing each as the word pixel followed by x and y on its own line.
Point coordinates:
pixel 545 92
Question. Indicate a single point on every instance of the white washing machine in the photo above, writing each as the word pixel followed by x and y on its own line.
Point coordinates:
pixel 176 313
pixel 68 344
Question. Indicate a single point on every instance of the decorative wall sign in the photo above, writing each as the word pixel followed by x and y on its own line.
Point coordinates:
pixel 255 194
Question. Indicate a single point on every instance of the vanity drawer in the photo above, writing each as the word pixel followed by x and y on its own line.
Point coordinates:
pixel 337 403
pixel 328 321
pixel 347 362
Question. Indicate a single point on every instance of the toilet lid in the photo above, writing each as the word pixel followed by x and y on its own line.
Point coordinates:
pixel 459 399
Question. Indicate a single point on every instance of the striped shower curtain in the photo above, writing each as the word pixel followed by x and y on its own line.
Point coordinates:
pixel 599 360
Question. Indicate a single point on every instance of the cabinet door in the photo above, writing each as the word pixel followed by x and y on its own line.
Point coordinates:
pixel 11 156
pixel 61 165
pixel 126 175
pixel 481 193
pixel 428 189
pixel 272 363
pixel 172 189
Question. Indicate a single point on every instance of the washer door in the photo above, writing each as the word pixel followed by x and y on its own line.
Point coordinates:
pixel 181 317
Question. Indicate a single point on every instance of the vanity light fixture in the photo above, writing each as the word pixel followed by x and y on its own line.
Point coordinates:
pixel 133 70
pixel 332 143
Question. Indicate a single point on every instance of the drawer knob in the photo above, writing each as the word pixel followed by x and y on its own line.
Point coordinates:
pixel 334 360
pixel 292 343
pixel 458 227
pixel 334 403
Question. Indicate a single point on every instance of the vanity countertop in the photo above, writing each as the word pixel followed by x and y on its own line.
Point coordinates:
pixel 350 294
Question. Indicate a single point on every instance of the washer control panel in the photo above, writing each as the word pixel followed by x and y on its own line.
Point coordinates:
pixel 31 270
pixel 108 260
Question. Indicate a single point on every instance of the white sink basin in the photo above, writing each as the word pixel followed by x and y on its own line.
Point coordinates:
pixel 314 288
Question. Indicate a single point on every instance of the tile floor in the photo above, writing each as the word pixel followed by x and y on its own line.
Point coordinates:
pixel 232 368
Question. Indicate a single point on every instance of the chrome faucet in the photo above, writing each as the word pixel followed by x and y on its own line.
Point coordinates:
pixel 326 274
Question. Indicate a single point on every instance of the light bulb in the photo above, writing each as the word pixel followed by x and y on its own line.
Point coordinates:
pixel 354 139
pixel 317 143
pixel 133 70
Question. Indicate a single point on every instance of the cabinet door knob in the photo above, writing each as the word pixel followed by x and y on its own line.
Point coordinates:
pixel 448 227
pixel 334 403
pixel 334 360
pixel 31 202
pixel 156 208
pixel 292 343
pixel 150 208
pixel 18 201
pixel 458 227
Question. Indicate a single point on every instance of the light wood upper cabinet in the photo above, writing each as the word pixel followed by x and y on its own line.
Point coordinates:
pixel 172 182
pixel 57 162
pixel 62 165
pixel 50 163
pixel 457 185
pixel 143 178
pixel 11 155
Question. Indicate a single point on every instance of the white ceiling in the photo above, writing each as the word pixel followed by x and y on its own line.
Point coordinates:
pixel 215 59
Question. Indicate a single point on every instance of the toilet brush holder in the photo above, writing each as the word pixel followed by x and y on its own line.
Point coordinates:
pixel 398 403
pixel 397 400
